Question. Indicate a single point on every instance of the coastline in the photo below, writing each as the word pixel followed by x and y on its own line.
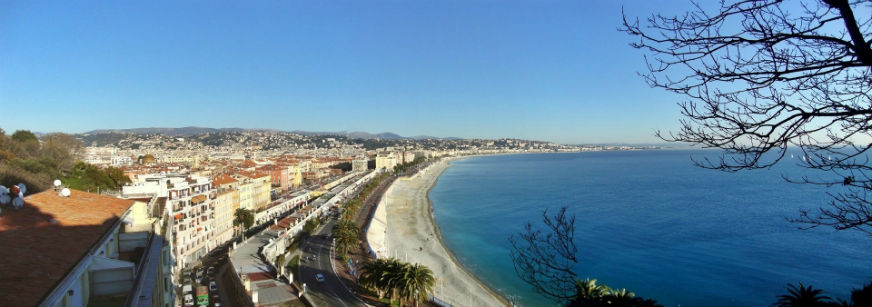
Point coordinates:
pixel 409 232
pixel 454 259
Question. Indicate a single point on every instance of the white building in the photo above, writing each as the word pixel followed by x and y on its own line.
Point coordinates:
pixel 386 161
pixel 190 202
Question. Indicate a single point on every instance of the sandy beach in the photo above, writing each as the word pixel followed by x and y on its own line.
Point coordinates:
pixel 403 227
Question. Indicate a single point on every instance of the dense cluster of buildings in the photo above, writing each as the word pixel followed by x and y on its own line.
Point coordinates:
pixel 129 248
pixel 132 247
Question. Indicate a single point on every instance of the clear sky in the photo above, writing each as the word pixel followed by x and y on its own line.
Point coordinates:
pixel 546 70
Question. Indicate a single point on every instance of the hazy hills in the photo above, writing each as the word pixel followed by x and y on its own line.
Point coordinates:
pixel 191 131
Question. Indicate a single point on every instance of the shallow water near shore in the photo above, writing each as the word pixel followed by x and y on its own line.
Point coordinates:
pixel 653 223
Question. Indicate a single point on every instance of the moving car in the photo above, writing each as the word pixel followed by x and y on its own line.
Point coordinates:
pixel 319 277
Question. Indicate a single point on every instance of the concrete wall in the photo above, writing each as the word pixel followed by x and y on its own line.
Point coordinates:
pixel 112 282
pixel 130 241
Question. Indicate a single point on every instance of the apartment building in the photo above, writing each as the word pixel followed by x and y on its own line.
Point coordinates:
pixel 226 203
pixel 386 161
pixel 260 184
pixel 190 202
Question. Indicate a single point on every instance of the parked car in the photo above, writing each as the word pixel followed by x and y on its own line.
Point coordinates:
pixel 189 300
pixel 319 277
pixel 213 287
pixel 211 271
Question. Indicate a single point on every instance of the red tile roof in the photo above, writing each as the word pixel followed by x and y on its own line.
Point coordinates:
pixel 253 175
pixel 41 242
pixel 222 180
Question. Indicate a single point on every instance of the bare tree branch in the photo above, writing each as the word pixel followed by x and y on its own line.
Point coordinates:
pixel 546 259
pixel 761 76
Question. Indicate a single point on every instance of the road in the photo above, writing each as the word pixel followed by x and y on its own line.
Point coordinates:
pixel 331 292
pixel 214 259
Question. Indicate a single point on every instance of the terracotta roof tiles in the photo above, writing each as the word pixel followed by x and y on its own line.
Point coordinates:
pixel 41 242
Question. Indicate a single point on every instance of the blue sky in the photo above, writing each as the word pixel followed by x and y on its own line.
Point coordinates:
pixel 546 70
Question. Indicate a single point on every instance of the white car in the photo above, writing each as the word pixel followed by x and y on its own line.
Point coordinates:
pixel 189 300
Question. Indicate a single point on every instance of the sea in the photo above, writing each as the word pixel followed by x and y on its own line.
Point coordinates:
pixel 652 222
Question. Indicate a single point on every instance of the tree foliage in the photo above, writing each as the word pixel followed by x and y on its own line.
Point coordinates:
pixel 760 75
pixel 87 177
pixel 310 226
pixel 405 281
pixel 802 296
pixel 36 162
pixel 244 218
pixel 809 296
pixel 346 234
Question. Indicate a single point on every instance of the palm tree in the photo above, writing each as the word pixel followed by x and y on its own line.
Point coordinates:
pixel 620 298
pixel 588 289
pixel 394 276
pixel 417 283
pixel 373 275
pixel 409 282
pixel 622 293
pixel 802 296
pixel 346 234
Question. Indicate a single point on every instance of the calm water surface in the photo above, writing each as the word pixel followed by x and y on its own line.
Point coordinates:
pixel 653 223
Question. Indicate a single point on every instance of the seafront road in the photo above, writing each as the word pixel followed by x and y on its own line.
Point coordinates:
pixel 330 292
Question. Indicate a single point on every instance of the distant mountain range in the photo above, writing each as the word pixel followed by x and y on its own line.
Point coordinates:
pixel 190 131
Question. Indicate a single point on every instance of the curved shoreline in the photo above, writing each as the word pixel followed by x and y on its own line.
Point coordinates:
pixel 454 259
pixel 404 226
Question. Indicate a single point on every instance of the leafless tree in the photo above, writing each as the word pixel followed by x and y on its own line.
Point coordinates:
pixel 761 75
pixel 545 260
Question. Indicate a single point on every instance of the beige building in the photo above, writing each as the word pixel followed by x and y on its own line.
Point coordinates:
pixel 297 176
pixel 358 165
pixel 226 203
pixel 254 190
pixel 246 195
pixel 386 161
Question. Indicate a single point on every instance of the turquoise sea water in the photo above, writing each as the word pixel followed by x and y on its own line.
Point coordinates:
pixel 653 223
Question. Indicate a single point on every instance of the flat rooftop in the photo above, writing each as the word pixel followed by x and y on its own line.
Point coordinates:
pixel 41 242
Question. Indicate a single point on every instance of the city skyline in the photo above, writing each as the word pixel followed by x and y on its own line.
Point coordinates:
pixel 553 71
